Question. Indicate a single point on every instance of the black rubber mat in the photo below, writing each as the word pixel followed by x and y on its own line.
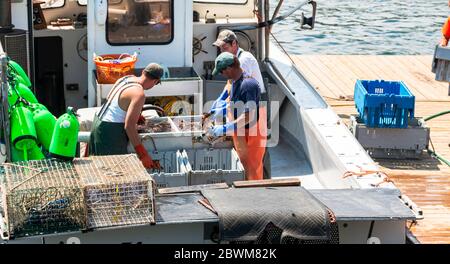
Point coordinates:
pixel 246 214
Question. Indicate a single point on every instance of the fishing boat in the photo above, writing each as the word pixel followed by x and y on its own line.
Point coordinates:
pixel 57 43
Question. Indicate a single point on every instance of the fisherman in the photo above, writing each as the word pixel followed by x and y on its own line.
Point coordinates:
pixel 227 42
pixel 116 122
pixel 247 121
pixel 446 31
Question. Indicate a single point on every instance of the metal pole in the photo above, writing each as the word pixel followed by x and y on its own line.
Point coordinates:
pixel 277 10
pixel 266 30
pixel 4 105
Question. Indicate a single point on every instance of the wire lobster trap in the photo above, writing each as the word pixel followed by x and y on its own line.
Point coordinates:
pixel 42 197
pixel 117 189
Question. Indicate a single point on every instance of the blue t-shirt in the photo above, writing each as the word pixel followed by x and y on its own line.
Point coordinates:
pixel 245 94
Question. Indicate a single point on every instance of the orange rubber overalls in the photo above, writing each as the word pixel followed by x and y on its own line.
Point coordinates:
pixel 250 146
pixel 445 32
pixel 446 29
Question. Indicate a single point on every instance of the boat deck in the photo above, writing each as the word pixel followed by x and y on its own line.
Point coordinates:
pixel 425 181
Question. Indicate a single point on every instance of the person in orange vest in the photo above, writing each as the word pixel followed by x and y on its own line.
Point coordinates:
pixel 246 119
pixel 446 31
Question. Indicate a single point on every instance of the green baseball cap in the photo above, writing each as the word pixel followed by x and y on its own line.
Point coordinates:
pixel 154 70
pixel 224 60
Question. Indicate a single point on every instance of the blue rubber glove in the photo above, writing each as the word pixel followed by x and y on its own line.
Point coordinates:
pixel 221 130
pixel 220 111
pixel 220 103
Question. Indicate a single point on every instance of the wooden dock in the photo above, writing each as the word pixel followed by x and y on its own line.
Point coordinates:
pixel 425 181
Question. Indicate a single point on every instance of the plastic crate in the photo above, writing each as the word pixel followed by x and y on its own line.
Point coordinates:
pixel 210 166
pixel 384 103
pixel 174 169
pixel 167 141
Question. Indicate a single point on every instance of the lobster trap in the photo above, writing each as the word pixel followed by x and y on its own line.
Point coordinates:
pixel 42 197
pixel 117 189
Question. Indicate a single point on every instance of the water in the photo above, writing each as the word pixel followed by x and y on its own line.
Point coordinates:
pixel 401 27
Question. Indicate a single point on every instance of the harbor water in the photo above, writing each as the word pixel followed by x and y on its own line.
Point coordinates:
pixel 377 27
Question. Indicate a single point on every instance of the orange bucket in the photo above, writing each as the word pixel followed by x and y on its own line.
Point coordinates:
pixel 111 67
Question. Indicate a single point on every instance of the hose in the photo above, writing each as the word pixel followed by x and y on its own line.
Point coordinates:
pixel 437 115
pixel 431 152
pixel 439 157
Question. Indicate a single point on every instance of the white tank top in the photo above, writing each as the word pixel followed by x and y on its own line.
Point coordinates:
pixel 113 113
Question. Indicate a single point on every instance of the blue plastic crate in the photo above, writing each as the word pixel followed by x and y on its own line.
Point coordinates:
pixel 384 103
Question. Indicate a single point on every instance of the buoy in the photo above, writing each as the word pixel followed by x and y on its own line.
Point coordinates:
pixel 20 90
pixel 35 153
pixel 16 155
pixel 65 136
pixel 37 106
pixel 44 122
pixel 18 70
pixel 19 79
pixel 23 132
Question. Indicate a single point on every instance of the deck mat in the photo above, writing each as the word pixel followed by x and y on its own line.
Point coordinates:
pixel 244 214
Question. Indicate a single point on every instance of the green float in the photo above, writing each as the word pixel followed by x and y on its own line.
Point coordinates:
pixel 23 132
pixel 35 153
pixel 18 70
pixel 65 136
pixel 37 106
pixel 20 90
pixel 44 122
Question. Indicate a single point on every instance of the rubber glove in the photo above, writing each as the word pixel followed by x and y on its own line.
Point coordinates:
pixel 220 111
pixel 221 130
pixel 220 102
pixel 144 157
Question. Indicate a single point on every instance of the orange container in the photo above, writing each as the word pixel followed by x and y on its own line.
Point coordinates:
pixel 111 67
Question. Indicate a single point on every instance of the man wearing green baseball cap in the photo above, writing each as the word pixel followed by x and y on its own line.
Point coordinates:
pixel 116 122
pixel 246 120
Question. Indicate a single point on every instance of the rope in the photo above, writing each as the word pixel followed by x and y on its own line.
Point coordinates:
pixel 363 172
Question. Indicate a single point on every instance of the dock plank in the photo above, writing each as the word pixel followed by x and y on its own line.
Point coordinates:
pixel 425 181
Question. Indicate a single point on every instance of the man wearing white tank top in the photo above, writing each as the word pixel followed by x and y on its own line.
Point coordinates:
pixel 116 122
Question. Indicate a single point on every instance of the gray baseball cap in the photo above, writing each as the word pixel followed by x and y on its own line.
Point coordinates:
pixel 225 36
pixel 154 70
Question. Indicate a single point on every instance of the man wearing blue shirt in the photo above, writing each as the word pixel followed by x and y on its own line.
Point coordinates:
pixel 246 120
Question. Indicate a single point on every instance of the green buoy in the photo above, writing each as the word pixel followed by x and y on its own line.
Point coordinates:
pixel 65 136
pixel 16 155
pixel 23 132
pixel 44 123
pixel 35 153
pixel 37 106
pixel 18 70
pixel 20 90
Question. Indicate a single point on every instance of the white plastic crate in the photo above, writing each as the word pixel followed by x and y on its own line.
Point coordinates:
pixel 169 141
pixel 209 166
pixel 174 171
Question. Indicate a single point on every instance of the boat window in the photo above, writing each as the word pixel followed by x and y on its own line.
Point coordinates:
pixel 52 4
pixel 139 22
pixel 82 2
pixel 239 2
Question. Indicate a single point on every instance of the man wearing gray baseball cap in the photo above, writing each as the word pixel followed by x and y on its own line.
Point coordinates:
pixel 227 41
